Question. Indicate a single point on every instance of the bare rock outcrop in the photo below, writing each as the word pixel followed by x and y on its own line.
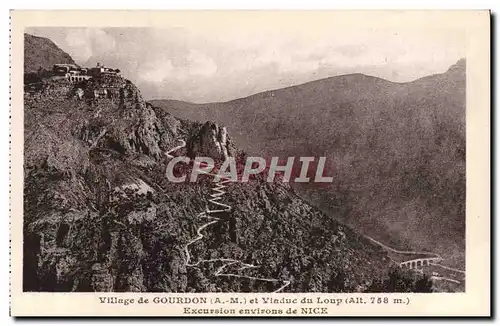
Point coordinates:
pixel 213 141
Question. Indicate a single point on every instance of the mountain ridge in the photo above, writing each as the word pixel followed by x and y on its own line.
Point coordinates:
pixel 458 66
pixel 367 124
pixel 100 216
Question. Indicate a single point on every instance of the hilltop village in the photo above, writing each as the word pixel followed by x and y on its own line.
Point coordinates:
pixel 74 73
pixel 83 83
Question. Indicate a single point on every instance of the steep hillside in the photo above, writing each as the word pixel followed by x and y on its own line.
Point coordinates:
pixel 99 214
pixel 396 151
pixel 40 52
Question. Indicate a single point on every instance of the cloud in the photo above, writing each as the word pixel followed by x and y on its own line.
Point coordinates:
pixel 156 72
pixel 200 64
pixel 194 65
pixel 83 43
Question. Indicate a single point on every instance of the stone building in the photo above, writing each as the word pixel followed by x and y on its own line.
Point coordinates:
pixel 74 73
pixel 100 70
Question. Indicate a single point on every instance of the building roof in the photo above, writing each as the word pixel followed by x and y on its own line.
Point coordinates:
pixel 69 65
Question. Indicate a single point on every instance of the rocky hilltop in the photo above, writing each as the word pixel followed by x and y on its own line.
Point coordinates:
pixel 42 53
pixel 99 214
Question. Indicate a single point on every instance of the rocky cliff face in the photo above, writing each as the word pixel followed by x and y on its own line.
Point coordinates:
pixel 213 141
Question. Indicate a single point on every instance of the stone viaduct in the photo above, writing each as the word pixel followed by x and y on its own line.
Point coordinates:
pixel 420 262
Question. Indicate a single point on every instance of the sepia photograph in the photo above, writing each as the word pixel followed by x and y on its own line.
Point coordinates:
pixel 270 158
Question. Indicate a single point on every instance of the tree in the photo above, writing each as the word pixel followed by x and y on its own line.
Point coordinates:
pixel 423 284
pixel 338 283
pixel 398 280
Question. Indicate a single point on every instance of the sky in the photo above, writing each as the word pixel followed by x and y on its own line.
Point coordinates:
pixel 200 65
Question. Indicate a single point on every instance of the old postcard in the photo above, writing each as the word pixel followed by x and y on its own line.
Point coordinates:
pixel 250 163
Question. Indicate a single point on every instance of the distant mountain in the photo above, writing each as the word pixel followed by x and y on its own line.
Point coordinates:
pixel 396 150
pixel 40 52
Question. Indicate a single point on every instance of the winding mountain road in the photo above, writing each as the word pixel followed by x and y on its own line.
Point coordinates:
pixel 403 251
pixel 215 199
pixel 435 255
pixel 183 144
pixel 450 268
